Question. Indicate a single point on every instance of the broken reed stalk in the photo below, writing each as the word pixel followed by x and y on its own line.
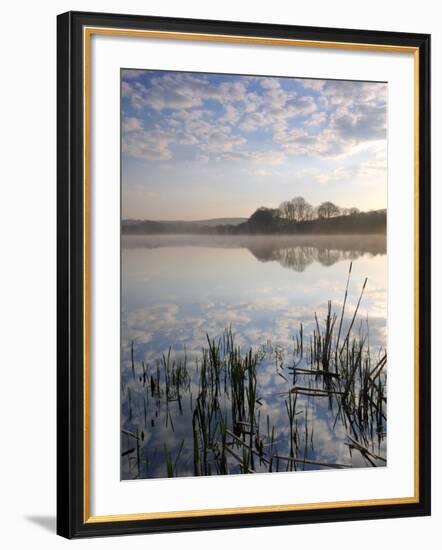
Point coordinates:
pixel 313 462
pixel 354 316
pixel 310 372
pixel 250 449
pixel 240 460
pixel 130 434
pixel 132 357
pixel 314 391
pixel 356 445
pixel 196 451
pixel 138 452
pixel 343 306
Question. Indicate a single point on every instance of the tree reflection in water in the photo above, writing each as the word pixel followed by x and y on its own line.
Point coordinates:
pixel 293 252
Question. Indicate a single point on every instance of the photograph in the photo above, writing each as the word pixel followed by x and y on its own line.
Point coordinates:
pixel 253 274
pixel 243 274
pixel 222 248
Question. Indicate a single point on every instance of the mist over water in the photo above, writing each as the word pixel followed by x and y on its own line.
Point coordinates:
pixel 177 289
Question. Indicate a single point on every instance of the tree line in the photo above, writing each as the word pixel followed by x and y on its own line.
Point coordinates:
pixel 299 210
pixel 295 216
pixel 298 215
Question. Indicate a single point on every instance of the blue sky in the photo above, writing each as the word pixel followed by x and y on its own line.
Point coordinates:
pixel 198 146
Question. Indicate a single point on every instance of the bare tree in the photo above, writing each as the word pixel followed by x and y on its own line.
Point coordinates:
pixel 328 210
pixel 299 210
pixel 302 209
pixel 296 210
pixel 287 211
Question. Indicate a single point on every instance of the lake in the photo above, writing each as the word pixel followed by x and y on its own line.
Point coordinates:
pixel 236 356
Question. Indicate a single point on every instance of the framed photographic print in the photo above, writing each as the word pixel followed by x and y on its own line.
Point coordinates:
pixel 243 274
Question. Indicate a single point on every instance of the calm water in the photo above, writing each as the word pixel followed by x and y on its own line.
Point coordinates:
pixel 176 290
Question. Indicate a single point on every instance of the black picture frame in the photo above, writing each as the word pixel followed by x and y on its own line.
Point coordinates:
pixel 71 498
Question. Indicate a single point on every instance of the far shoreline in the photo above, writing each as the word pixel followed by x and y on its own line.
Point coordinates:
pixel 266 222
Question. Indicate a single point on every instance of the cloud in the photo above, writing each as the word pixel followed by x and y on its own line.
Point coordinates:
pixel 347 128
pixel 202 116
pixel 131 124
pixel 370 171
pixel 269 83
pixel 264 157
pixel 312 84
pixel 148 145
pixel 253 121
pixel 219 141
pixel 132 74
pixel 348 93
pixel 363 122
pixel 231 115
pixel 183 91
pixel 316 118
pixel 126 89
pixel 349 113
pixel 276 110
pixel 171 91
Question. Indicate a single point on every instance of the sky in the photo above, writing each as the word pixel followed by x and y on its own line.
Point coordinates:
pixel 199 146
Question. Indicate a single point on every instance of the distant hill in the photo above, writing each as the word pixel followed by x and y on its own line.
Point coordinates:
pixel 178 226
pixel 218 221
